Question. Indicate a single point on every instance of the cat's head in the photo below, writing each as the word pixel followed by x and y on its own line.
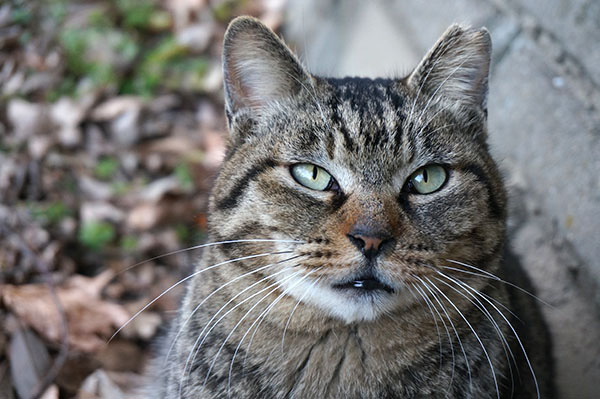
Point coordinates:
pixel 374 183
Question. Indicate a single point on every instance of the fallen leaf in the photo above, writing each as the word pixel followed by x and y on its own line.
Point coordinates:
pixel 99 386
pixel 29 362
pixel 26 118
pixel 50 393
pixel 91 320
pixel 114 107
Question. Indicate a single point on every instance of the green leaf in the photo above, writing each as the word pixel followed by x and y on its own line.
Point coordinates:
pixel 96 235
pixel 106 168
pixel 129 243
pixel 51 214
pixel 182 171
pixel 137 13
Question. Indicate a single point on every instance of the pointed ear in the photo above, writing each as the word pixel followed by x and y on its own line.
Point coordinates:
pixel 457 67
pixel 258 67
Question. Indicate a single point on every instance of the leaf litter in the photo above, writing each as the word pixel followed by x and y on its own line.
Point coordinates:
pixel 111 131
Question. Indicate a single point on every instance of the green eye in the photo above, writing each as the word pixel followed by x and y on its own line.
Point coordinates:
pixel 311 176
pixel 427 179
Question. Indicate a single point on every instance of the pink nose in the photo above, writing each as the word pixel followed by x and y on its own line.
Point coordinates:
pixel 369 245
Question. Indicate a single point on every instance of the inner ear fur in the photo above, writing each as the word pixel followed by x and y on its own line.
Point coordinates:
pixel 456 68
pixel 258 67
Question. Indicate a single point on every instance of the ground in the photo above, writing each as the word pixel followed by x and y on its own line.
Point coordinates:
pixel 111 130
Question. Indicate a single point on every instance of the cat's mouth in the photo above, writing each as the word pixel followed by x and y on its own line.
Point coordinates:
pixel 366 283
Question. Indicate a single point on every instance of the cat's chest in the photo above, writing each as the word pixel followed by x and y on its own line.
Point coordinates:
pixel 334 364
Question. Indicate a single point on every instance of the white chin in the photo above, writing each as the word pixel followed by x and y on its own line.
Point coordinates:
pixel 347 305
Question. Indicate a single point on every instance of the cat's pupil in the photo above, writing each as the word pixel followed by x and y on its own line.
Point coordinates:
pixel 315 172
pixel 425 177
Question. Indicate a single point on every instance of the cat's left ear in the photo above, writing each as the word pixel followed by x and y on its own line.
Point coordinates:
pixel 456 68
pixel 258 67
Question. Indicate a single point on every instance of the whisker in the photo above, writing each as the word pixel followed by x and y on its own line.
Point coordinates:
pixel 294 309
pixel 437 328
pixel 184 280
pixel 505 346
pixel 427 300
pixel 434 296
pixel 260 317
pixel 494 277
pixel 210 244
pixel 214 292
pixel 194 351
pixel 277 286
pixel 518 340
pixel 437 270
pixel 474 333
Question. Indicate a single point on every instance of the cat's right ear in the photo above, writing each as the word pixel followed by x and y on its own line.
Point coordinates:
pixel 258 68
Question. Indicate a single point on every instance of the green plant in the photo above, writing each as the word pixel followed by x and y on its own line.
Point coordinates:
pixel 129 243
pixel 182 171
pixel 136 13
pixel 96 235
pixel 106 168
pixel 50 214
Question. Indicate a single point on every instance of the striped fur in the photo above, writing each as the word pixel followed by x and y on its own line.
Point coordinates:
pixel 271 324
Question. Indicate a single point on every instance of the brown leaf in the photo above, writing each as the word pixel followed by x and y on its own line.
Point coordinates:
pixel 99 386
pixel 90 319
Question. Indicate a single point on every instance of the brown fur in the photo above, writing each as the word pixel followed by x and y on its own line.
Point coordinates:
pixel 274 325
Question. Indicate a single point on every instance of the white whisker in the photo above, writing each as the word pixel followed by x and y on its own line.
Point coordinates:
pixel 434 296
pixel 287 324
pixel 261 318
pixel 194 351
pixel 492 276
pixel 474 333
pixel 505 346
pixel 277 286
pixel 518 340
pixel 214 292
pixel 427 300
pixel 186 279
pixel 210 244
pixel 437 328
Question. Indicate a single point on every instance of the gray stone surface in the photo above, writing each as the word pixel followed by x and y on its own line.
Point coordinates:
pixel 538 124
pixel 545 132
pixel 574 23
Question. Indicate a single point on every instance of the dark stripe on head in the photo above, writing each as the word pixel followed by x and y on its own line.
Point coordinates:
pixel 495 209
pixel 231 200
pixel 336 118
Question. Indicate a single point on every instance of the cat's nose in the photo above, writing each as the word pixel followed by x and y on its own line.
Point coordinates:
pixel 369 244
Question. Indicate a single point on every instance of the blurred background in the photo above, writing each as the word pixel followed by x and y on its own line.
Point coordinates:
pixel 111 131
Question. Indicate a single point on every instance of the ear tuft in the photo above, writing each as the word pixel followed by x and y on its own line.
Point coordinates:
pixel 258 67
pixel 457 67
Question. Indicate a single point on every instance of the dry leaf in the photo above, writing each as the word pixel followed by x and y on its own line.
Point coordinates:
pixel 29 362
pixel 50 393
pixel 99 386
pixel 91 320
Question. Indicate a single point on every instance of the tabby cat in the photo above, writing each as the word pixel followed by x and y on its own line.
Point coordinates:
pixel 356 239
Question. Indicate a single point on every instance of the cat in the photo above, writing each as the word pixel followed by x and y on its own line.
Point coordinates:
pixel 357 235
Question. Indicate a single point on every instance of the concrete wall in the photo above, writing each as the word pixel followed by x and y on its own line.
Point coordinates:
pixel 544 109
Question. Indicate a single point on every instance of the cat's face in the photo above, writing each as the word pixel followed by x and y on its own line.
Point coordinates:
pixel 376 182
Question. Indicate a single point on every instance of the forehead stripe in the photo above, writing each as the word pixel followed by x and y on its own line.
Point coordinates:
pixel 231 199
